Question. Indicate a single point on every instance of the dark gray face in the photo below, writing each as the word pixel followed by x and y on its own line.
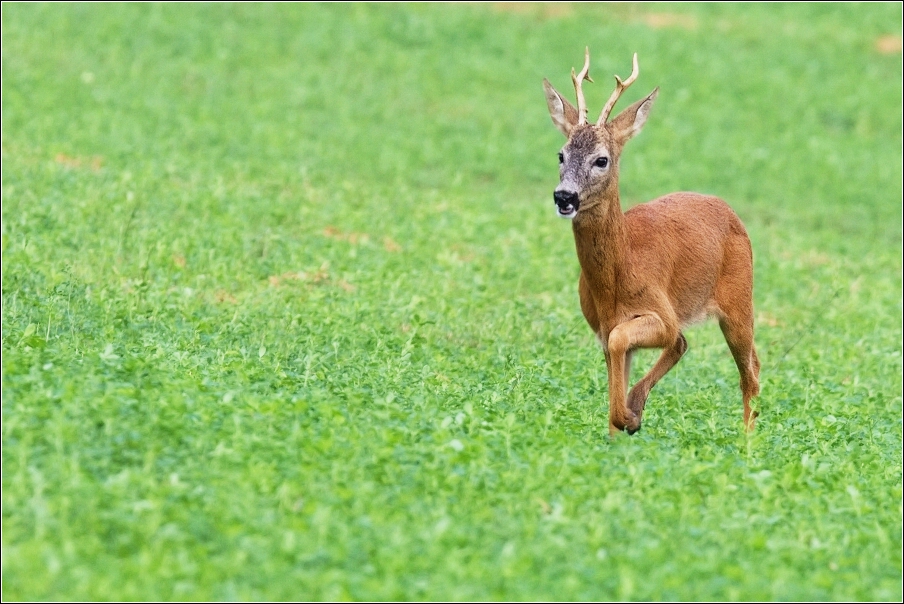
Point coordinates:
pixel 586 164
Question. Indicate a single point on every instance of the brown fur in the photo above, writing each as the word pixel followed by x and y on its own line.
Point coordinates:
pixel 648 273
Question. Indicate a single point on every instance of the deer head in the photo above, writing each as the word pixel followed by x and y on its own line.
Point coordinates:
pixel 588 163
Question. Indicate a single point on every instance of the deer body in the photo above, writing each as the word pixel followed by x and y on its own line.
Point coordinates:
pixel 648 273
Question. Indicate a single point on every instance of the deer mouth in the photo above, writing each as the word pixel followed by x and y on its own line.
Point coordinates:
pixel 566 211
pixel 567 202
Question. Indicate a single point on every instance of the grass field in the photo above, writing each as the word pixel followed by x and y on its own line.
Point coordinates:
pixel 287 313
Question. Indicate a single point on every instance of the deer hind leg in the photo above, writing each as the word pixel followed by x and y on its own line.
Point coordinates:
pixel 734 297
pixel 739 335
pixel 637 398
pixel 645 331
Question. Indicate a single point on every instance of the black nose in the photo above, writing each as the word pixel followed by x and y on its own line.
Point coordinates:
pixel 566 198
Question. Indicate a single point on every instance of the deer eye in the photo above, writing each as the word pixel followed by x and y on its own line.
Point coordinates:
pixel 561 157
pixel 601 162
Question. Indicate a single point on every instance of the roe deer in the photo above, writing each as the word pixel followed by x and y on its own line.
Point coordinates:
pixel 648 273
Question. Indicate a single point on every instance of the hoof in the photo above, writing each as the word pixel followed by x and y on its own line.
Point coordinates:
pixel 631 425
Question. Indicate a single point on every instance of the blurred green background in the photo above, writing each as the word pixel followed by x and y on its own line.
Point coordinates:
pixel 287 313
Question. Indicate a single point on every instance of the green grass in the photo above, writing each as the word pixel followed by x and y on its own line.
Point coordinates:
pixel 287 313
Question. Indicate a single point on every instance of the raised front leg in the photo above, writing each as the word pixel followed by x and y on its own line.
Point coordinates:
pixel 645 331
pixel 637 397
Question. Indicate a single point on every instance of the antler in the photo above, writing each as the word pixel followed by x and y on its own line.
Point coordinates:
pixel 578 80
pixel 620 87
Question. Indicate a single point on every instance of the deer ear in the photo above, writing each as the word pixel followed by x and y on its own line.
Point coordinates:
pixel 631 120
pixel 563 113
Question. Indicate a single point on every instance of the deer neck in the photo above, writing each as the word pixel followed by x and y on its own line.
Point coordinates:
pixel 601 239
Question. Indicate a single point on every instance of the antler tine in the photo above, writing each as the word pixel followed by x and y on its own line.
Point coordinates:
pixel 620 87
pixel 578 80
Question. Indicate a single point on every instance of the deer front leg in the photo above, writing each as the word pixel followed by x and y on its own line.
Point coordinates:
pixel 645 331
pixel 637 397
